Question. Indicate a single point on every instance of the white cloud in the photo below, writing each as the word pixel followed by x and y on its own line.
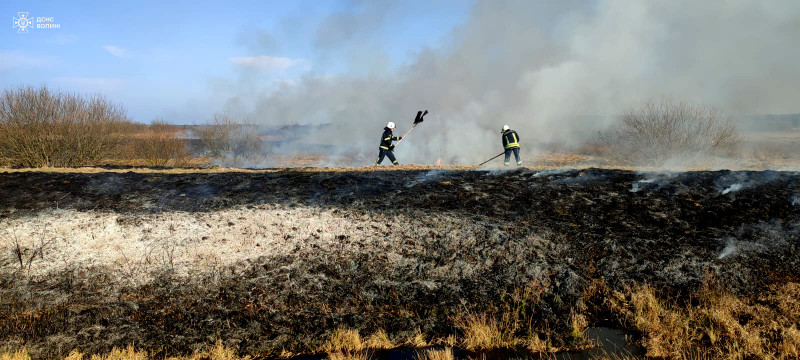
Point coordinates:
pixel 268 62
pixel 116 51
pixel 18 60
pixel 89 84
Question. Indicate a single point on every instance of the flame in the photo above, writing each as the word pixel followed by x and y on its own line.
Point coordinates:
pixel 439 162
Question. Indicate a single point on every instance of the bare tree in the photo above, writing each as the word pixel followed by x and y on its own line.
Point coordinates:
pixel 667 129
pixel 228 136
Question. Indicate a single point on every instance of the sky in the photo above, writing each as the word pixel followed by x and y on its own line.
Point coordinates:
pixel 180 61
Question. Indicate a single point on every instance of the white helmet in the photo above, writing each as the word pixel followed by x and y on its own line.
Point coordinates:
pixel 390 125
pixel 506 127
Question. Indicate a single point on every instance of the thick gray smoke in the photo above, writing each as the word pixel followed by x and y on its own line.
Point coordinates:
pixel 556 71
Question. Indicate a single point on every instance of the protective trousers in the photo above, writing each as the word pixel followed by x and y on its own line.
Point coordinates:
pixel 387 153
pixel 516 156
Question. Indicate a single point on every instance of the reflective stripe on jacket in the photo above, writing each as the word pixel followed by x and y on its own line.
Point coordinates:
pixel 510 139
pixel 387 138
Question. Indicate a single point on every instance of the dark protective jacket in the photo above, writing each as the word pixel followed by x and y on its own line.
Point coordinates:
pixel 510 139
pixel 387 138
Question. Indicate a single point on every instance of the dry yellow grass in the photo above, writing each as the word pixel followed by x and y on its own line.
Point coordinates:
pixel 719 326
pixel 74 355
pixel 562 159
pixel 346 344
pixel 361 355
pixel 435 354
pixel 753 160
pixel 379 340
pixel 450 341
pixel 578 324
pixel 482 331
pixel 715 325
pixel 510 326
pixel 187 162
pixel 790 344
pixel 216 352
pixel 128 353
pixel 417 340
pixel 16 355
pixel 344 341
pixel 537 345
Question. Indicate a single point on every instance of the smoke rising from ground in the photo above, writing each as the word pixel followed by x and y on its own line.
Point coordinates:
pixel 557 72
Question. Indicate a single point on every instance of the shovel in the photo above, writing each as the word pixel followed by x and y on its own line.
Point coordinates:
pixel 417 121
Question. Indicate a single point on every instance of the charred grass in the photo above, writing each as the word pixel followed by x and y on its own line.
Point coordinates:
pixel 516 261
pixel 714 324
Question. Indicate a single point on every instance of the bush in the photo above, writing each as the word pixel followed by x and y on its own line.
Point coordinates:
pixel 159 146
pixel 228 136
pixel 43 128
pixel 665 130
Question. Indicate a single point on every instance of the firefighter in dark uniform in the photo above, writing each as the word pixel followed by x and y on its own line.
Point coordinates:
pixel 386 146
pixel 511 144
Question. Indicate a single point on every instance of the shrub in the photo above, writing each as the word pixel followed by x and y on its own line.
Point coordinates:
pixel 39 127
pixel 660 131
pixel 228 136
pixel 159 146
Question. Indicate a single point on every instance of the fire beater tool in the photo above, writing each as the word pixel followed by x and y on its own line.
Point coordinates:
pixel 417 121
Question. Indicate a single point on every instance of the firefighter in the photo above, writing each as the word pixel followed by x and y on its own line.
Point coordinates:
pixel 511 144
pixel 386 146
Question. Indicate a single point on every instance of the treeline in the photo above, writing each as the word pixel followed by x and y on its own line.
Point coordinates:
pixel 44 128
pixel 40 128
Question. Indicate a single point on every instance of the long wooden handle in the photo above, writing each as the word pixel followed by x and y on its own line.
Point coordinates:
pixel 498 155
pixel 404 136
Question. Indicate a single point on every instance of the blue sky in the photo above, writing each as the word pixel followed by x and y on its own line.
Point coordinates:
pixel 168 59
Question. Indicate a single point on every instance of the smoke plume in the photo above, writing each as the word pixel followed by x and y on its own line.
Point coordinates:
pixel 555 71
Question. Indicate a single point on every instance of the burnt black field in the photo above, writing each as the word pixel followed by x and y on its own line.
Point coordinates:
pixel 560 229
